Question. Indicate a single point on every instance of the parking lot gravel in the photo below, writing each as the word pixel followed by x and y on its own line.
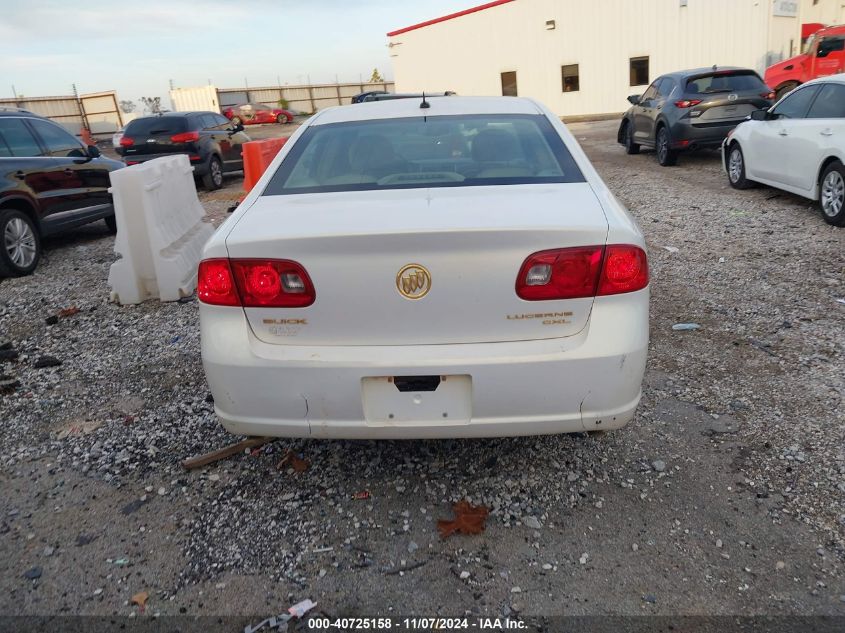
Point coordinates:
pixel 726 495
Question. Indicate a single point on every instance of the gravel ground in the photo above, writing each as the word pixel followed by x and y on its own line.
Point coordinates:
pixel 726 495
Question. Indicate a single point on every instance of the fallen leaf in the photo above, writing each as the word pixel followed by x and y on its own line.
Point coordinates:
pixel 290 459
pixel 68 312
pixel 140 599
pixel 469 519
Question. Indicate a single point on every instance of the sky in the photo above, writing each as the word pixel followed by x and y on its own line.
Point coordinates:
pixel 136 47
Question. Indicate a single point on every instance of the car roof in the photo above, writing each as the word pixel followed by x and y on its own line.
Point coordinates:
pixel 13 111
pixel 438 106
pixel 683 74
pixel 173 114
pixel 839 79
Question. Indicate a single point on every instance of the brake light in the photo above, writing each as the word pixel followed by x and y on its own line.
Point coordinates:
pixel 625 270
pixel 567 273
pixel 254 283
pixel 125 141
pixel 185 137
pixel 687 103
pixel 768 95
pixel 587 271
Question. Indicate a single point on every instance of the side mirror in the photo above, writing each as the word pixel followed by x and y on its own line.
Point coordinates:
pixel 93 151
pixel 760 115
pixel 634 99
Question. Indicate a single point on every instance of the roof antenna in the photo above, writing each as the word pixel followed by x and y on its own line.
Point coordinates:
pixel 425 104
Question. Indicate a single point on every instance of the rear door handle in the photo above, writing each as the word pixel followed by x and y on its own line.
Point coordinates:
pixel 20 175
pixel 826 132
pixel 783 133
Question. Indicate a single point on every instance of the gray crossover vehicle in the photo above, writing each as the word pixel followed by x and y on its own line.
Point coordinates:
pixel 691 109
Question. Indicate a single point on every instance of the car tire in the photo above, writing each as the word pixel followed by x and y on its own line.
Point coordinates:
pixel 281 119
pixel 832 194
pixel 666 156
pixel 213 179
pixel 630 146
pixel 736 168
pixel 20 244
pixel 236 120
pixel 785 89
pixel 111 223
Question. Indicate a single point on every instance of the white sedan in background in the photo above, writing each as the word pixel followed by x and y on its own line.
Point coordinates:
pixel 798 145
pixel 421 269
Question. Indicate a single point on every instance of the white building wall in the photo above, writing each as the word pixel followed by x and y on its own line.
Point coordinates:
pixel 467 54
pixel 827 12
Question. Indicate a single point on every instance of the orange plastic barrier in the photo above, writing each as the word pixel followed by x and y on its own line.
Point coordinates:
pixel 257 156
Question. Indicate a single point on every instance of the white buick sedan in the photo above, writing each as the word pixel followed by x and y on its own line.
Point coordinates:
pixel 426 269
pixel 798 146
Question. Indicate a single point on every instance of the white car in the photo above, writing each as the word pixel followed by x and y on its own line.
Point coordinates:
pixel 798 145
pixel 425 269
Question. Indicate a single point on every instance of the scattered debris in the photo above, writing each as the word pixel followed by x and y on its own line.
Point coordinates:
pixel 294 461
pixel 121 562
pixel 672 249
pixel 583 559
pixel 301 608
pixel 130 507
pixel 402 569
pixel 464 575
pixel 33 573
pixel 85 539
pixel 7 352
pixel 8 383
pixel 469 519
pixel 650 598
pixel 47 361
pixel 322 550
pixel 531 522
pixel 659 465
pixel 140 599
pixel 64 313
pixel 683 327
pixel 360 496
pixel 223 453
pixel 79 428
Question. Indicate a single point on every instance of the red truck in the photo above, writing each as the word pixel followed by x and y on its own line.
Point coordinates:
pixel 824 54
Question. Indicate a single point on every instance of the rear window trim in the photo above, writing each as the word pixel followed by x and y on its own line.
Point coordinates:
pixel 568 164
pixel 182 121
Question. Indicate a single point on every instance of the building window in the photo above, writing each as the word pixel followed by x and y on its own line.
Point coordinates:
pixel 639 71
pixel 569 78
pixel 509 84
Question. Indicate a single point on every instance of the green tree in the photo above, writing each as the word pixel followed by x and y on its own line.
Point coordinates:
pixel 376 77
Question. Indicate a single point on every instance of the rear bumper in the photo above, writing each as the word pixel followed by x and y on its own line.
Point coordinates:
pixel 199 163
pixel 590 381
pixel 687 136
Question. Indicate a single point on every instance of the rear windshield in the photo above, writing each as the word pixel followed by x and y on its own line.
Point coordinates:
pixel 154 125
pixel 726 82
pixel 441 151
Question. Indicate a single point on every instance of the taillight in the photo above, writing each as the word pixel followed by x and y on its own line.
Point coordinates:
pixel 769 95
pixel 185 137
pixel 567 273
pixel 687 103
pixel 584 271
pixel 216 284
pixel 254 283
pixel 125 141
pixel 625 270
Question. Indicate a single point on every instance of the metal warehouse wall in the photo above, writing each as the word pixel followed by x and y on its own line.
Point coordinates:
pixel 467 54
pixel 823 11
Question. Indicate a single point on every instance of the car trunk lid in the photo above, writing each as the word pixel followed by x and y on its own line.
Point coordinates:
pixel 356 247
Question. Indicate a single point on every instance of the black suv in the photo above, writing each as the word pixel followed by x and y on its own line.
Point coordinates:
pixel 691 109
pixel 211 141
pixel 51 182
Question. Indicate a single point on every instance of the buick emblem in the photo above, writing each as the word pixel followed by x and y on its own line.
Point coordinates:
pixel 733 97
pixel 413 281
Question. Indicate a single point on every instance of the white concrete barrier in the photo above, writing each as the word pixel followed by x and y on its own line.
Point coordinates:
pixel 160 231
